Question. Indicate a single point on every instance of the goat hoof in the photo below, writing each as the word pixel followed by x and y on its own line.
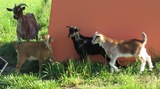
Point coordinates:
pixel 140 72
pixel 150 70
pixel 18 43
pixel 117 71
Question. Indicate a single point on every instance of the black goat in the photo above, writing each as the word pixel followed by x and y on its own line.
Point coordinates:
pixel 84 46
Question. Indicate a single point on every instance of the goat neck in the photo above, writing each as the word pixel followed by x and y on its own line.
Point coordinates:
pixel 107 43
pixel 21 19
pixel 77 37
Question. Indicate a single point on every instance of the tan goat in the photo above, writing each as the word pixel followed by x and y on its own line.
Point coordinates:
pixel 41 51
pixel 120 48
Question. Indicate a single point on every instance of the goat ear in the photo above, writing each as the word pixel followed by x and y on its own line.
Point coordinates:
pixel 96 32
pixel 9 9
pixel 23 8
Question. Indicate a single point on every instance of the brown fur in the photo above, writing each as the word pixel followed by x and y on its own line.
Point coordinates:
pixel 34 51
pixel 27 27
pixel 132 46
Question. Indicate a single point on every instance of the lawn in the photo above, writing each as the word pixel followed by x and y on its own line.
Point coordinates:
pixel 71 75
pixel 82 75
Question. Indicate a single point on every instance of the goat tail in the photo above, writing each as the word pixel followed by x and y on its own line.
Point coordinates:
pixel 144 37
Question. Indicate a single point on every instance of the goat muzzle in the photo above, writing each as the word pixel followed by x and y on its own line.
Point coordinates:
pixel 15 17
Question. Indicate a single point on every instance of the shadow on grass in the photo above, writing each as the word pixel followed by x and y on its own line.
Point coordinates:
pixel 88 69
pixel 8 52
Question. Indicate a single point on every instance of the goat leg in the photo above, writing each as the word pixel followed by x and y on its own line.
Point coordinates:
pixel 112 64
pixel 108 59
pixel 82 57
pixel 18 39
pixel 40 67
pixel 28 39
pixel 20 62
pixel 37 38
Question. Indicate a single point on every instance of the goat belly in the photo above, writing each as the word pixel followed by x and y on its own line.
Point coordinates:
pixel 32 58
pixel 127 55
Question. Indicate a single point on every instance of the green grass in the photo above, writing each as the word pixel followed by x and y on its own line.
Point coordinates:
pixel 73 74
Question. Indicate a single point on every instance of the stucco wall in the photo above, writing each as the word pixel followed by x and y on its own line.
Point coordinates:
pixel 118 19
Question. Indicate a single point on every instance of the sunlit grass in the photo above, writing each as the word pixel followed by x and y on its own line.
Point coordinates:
pixel 74 75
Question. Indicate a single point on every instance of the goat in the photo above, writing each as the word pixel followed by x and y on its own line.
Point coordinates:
pixel 27 27
pixel 84 46
pixel 120 48
pixel 34 51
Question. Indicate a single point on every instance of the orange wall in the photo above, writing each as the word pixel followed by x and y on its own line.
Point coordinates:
pixel 118 19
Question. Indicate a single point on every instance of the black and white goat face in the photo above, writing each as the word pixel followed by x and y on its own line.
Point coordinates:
pixel 73 32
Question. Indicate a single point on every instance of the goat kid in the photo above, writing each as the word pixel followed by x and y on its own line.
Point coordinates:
pixel 27 27
pixel 41 51
pixel 120 48
pixel 84 46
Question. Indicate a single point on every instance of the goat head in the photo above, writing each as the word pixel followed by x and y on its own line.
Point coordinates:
pixel 17 10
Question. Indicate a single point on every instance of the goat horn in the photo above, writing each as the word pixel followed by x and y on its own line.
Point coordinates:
pixel 21 4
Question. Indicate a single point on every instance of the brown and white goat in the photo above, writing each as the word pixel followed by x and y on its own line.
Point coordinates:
pixel 27 27
pixel 120 48
pixel 41 51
